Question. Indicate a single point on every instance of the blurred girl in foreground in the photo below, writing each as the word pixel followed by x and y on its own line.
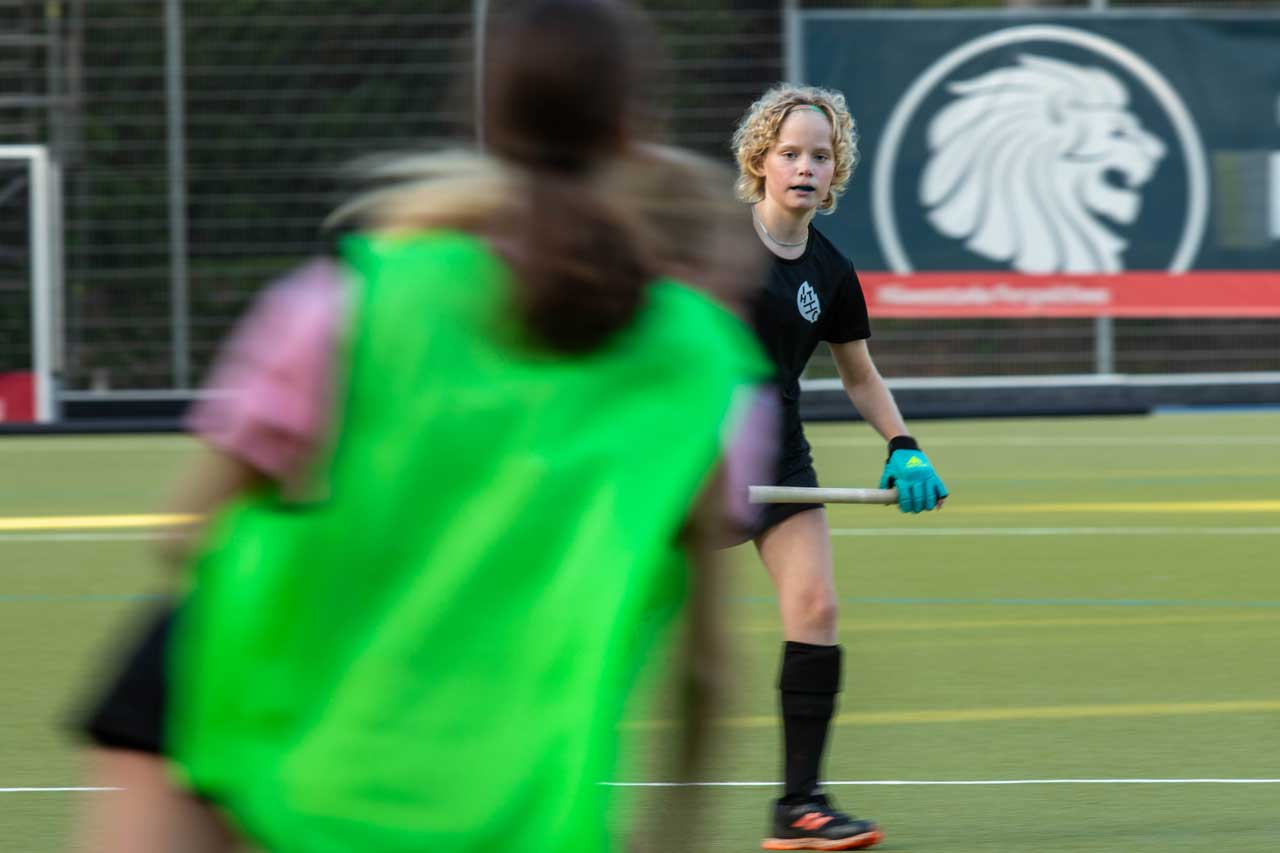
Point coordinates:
pixel 466 478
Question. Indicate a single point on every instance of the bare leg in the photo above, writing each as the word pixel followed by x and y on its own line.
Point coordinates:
pixel 150 815
pixel 797 554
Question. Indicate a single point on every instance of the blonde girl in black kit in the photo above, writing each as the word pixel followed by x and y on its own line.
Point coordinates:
pixel 796 149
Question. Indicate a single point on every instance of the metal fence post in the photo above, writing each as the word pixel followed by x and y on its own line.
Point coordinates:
pixel 1104 345
pixel 480 25
pixel 175 113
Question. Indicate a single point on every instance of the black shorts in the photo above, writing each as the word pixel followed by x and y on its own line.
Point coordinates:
pixel 130 711
pixel 794 467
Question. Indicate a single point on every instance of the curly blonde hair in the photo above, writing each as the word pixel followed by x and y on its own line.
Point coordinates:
pixel 758 131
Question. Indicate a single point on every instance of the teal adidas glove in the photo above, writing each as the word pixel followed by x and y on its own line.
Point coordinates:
pixel 919 486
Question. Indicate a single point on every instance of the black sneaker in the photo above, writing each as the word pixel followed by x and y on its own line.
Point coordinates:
pixel 814 824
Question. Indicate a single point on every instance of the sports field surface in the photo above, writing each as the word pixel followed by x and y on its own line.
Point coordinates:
pixel 1081 652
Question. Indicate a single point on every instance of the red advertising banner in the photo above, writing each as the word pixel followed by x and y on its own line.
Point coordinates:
pixel 17 397
pixel 1232 293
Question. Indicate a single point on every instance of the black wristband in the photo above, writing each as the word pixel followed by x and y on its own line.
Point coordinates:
pixel 902 442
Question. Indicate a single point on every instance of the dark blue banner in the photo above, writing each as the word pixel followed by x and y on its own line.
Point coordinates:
pixel 1055 144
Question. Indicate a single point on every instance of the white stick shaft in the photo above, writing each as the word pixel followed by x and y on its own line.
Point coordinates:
pixel 805 495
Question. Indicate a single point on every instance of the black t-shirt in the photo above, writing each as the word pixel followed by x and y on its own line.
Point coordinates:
pixel 816 297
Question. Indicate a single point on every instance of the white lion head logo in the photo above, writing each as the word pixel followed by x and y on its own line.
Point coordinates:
pixel 1028 157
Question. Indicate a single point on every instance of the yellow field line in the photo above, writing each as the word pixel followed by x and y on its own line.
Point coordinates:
pixel 94 522
pixel 1125 506
pixel 994 715
pixel 1065 622
pixel 106 522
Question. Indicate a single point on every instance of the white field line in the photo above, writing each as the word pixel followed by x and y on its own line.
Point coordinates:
pixel 835 532
pixel 854 782
pixel 1055 531
pixel 955 782
pixel 44 444
pixel 1061 441
pixel 52 790
pixel 41 444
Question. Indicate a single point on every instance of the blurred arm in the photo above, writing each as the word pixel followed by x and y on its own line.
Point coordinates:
pixel 271 404
pixel 704 660
pixel 213 479
pixel 698 680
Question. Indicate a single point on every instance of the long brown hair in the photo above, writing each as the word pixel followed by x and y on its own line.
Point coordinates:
pixel 561 94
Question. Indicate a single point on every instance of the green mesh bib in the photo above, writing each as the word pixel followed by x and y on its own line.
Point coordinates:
pixel 436 657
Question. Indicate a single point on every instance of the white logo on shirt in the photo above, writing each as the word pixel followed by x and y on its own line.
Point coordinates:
pixel 807 302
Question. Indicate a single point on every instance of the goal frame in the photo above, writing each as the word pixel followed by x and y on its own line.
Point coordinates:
pixel 45 245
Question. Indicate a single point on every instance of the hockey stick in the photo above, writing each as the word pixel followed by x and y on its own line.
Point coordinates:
pixel 805 495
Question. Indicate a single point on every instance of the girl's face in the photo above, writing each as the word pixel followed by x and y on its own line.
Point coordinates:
pixel 799 166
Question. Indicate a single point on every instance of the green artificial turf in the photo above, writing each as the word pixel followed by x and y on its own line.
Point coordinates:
pixel 1099 601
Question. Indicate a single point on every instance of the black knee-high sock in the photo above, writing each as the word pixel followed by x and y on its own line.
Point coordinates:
pixel 809 682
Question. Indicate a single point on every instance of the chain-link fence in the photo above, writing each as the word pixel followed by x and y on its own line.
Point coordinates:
pixel 200 142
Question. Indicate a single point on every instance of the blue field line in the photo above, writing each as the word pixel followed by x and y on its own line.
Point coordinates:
pixel 1031 602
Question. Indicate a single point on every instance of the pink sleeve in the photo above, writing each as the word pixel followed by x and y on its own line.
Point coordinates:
pixel 750 458
pixel 272 388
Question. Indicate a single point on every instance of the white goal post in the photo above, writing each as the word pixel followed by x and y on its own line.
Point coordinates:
pixel 45 246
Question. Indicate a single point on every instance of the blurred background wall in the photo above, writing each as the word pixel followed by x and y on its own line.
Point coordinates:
pixel 199 141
